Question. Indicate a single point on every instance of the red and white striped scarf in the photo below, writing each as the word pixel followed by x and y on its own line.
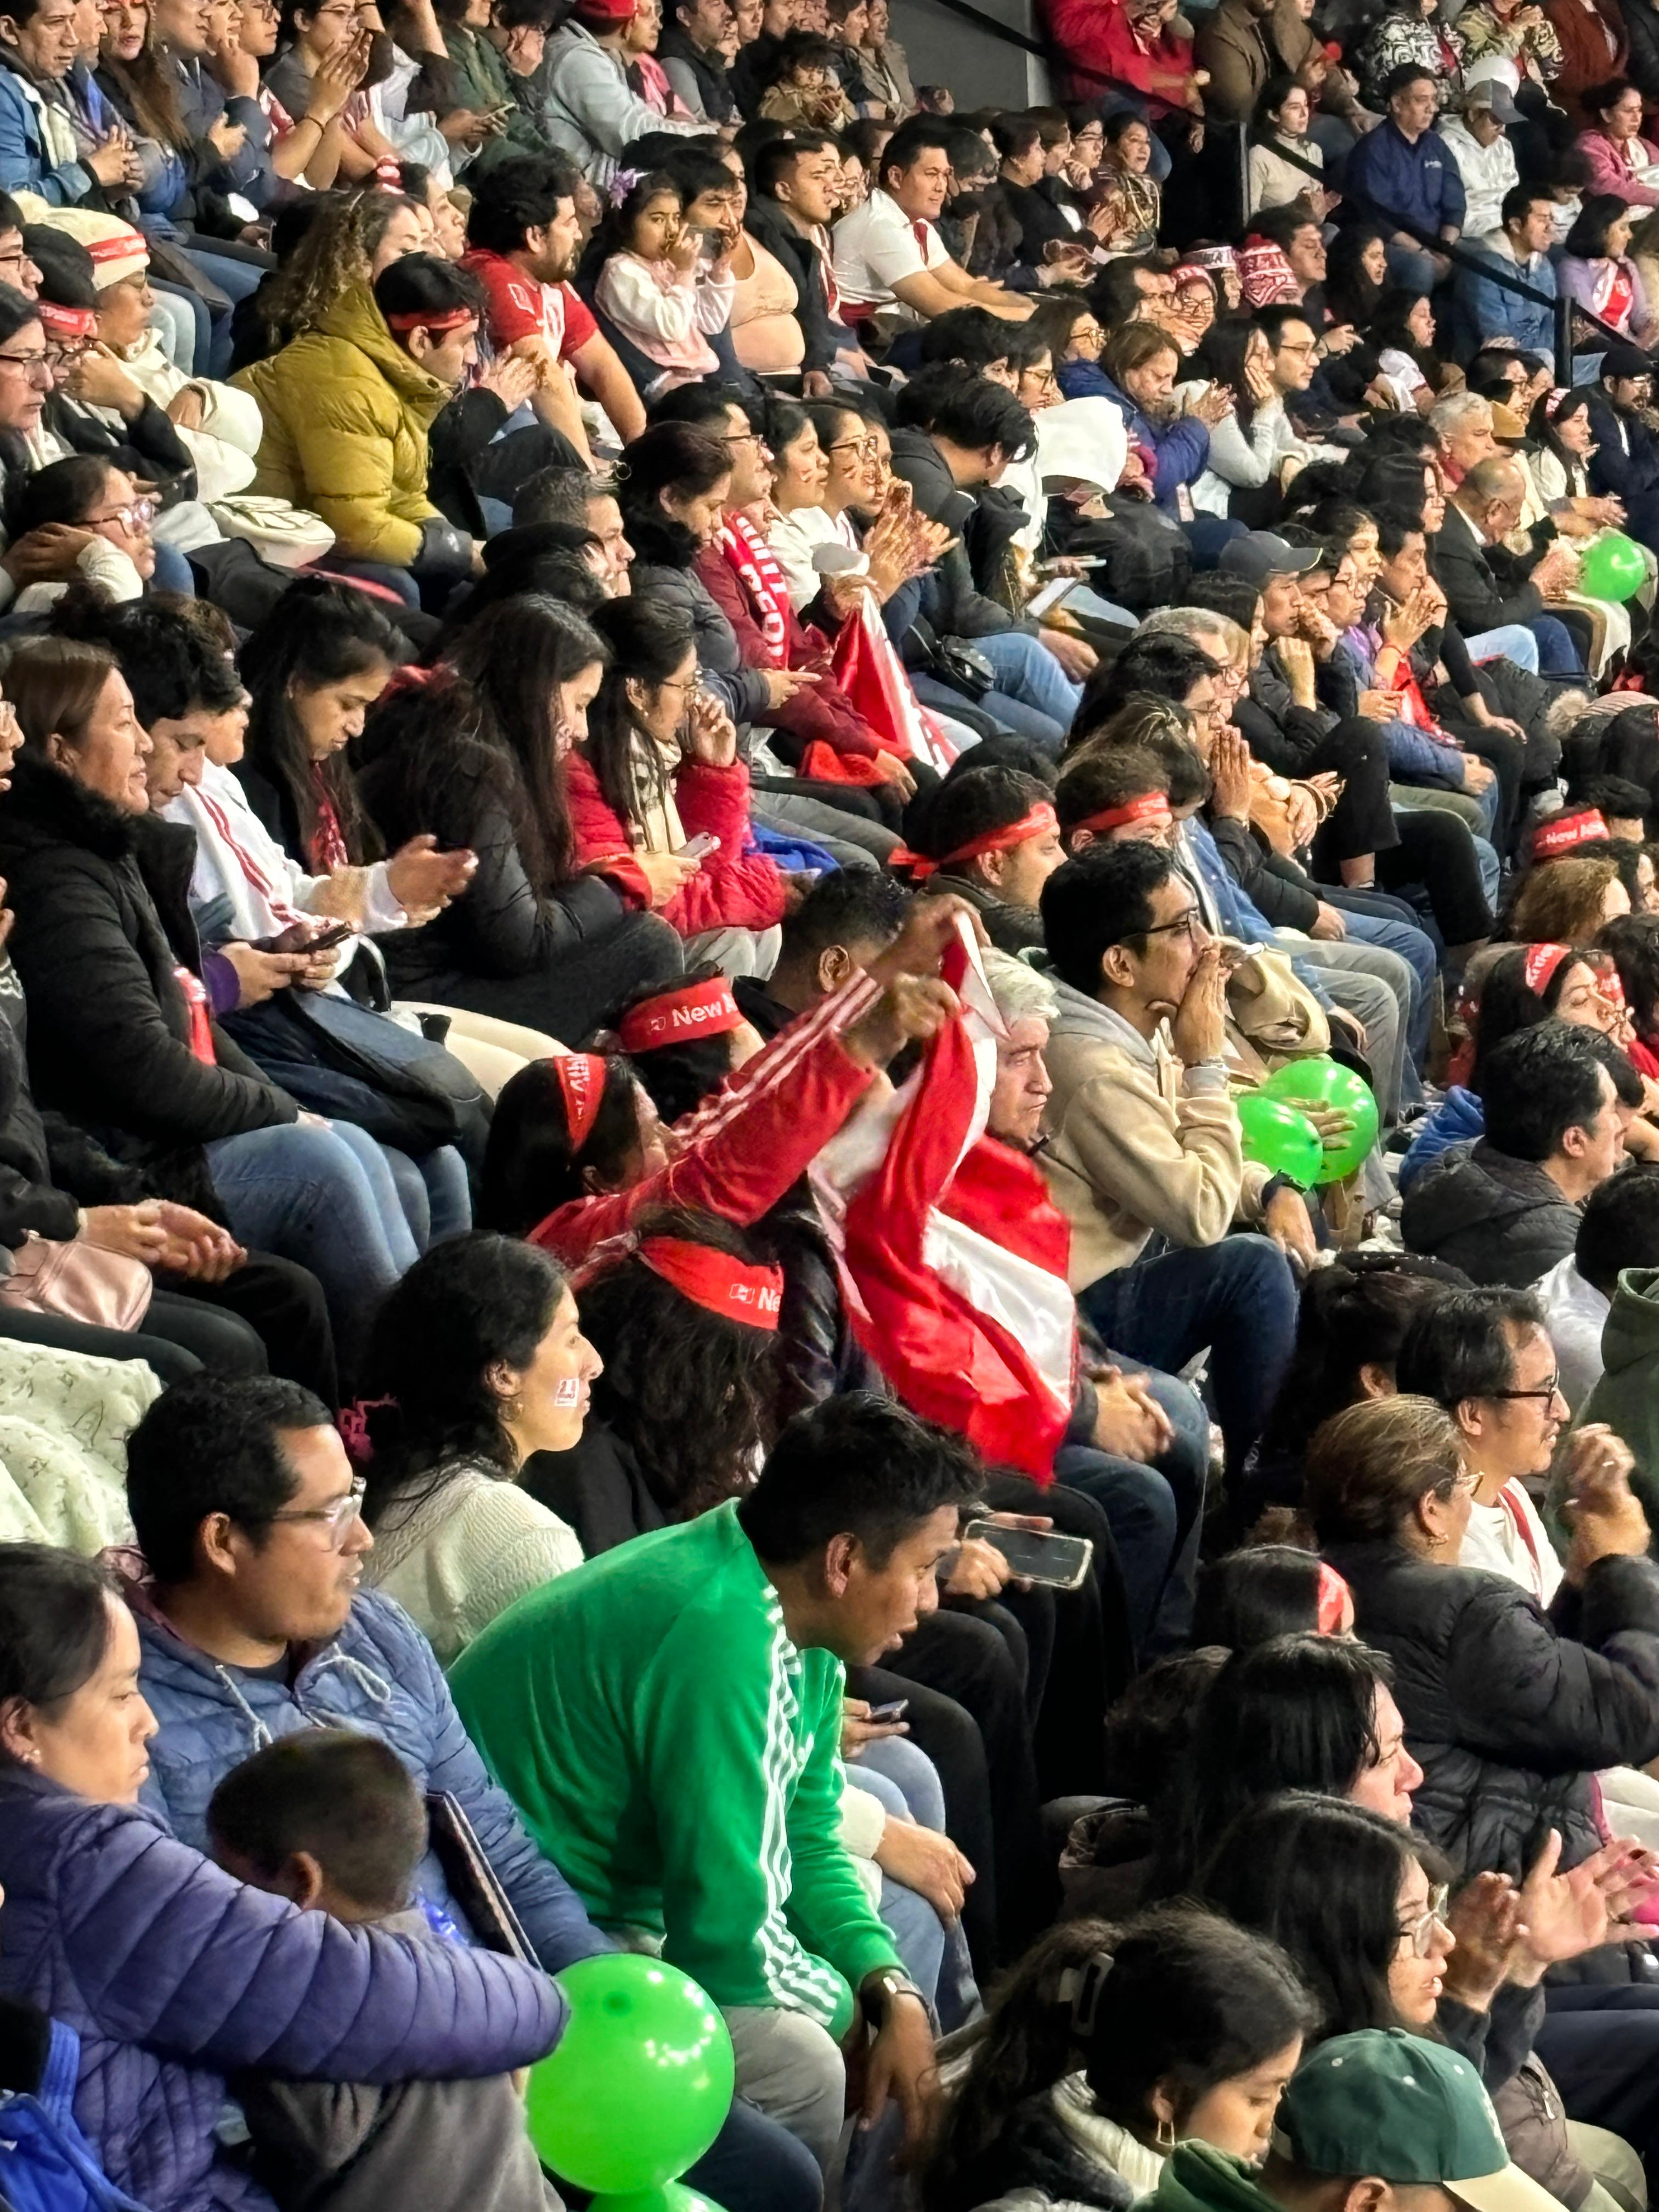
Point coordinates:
pixel 755 566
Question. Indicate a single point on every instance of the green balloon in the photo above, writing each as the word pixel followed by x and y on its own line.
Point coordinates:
pixel 1613 568
pixel 640 2083
pixel 1322 1082
pixel 1276 1136
pixel 673 2196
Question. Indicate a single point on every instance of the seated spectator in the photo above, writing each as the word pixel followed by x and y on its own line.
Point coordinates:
pixel 1252 1596
pixel 1509 1715
pixel 1485 157
pixel 1597 272
pixel 890 264
pixel 1484 1358
pixel 992 838
pixel 789 214
pixel 1520 239
pixel 209 1975
pixel 655 283
pixel 676 1634
pixel 1138 369
pixel 1404 169
pixel 660 768
pixel 347 409
pixel 479 756
pixel 1175 2028
pixel 1618 1229
pixel 477 1362
pixel 331 1821
pixel 1621 162
pixel 1143 1136
pixel 1570 901
pixel 84 494
pixel 804 87
pixel 1481 512
pixel 1507 1210
pixel 1625 459
pixel 588 111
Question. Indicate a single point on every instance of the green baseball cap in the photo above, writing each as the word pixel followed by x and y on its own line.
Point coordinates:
pixel 1409 2111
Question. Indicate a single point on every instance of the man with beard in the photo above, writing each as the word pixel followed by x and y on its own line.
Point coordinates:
pixel 523 238
pixel 1625 459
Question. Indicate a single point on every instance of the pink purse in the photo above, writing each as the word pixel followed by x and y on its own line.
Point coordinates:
pixel 77 1281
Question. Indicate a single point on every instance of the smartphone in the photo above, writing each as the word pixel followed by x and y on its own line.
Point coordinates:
pixel 1050 596
pixel 700 846
pixel 895 1711
pixel 1038 1555
pixel 331 934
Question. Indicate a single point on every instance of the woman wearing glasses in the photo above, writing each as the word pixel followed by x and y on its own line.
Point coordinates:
pixel 100 504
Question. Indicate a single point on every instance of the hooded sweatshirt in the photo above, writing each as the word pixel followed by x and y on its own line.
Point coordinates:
pixel 1501 1220
pixel 1627 1395
pixel 1459 1119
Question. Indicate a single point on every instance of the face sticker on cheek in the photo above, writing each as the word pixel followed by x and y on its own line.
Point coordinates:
pixel 568 1393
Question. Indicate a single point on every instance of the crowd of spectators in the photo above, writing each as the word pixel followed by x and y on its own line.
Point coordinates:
pixel 687 745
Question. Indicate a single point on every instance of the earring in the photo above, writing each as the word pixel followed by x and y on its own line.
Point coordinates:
pixel 1436 1542
pixel 31 1757
pixel 515 1408
pixel 1165 2138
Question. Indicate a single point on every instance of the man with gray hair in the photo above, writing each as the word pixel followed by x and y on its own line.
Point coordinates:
pixel 1497 603
pixel 581 499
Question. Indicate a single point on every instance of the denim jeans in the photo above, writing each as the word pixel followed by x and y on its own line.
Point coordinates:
pixel 1509 642
pixel 325 1197
pixel 238 281
pixel 1411 268
pixel 1558 656
pixel 1415 947
pixel 1005 711
pixel 433 1192
pixel 1026 670
pixel 1237 1296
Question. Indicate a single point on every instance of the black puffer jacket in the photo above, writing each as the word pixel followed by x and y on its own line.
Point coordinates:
pixel 48 1168
pixel 103 924
pixel 1511 1712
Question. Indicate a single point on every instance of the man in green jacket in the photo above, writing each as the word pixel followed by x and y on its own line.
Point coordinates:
pixel 1376 2122
pixel 668 1721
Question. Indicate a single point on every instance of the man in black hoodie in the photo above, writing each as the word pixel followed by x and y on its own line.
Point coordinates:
pixel 790 210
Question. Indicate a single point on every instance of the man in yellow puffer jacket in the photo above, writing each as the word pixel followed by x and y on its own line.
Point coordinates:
pixel 347 407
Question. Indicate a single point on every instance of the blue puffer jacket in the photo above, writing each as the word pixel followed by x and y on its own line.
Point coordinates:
pixel 1459 1119
pixel 173 1975
pixel 378 1677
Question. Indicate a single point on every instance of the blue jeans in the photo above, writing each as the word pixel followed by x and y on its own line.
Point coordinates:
pixel 174 572
pixel 378 571
pixel 238 281
pixel 1027 671
pixel 1509 642
pixel 433 1192
pixel 1413 268
pixel 1557 653
pixel 1416 950
pixel 1237 1296
pixel 753 2165
pixel 325 1197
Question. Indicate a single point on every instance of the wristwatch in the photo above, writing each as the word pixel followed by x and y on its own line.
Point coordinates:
pixel 892 1982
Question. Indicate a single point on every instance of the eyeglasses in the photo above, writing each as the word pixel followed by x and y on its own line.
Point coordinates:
pixel 335 1519
pixel 742 437
pixel 1189 925
pixel 673 683
pixel 1045 380
pixel 1420 1933
pixel 137 515
pixel 30 363
pixel 866 448
pixel 1547 1391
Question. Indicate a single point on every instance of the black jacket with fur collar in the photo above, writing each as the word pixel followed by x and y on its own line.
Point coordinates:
pixel 103 928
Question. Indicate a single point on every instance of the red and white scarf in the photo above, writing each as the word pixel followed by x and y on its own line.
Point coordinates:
pixel 328 845
pixel 756 565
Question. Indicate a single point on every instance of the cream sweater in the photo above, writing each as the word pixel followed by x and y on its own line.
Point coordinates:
pixel 465 1553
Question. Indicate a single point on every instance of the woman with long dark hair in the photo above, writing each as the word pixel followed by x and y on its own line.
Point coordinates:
pixel 1356 273
pixel 1596 268
pixel 476 751
pixel 1251 441
pixel 1108 2045
pixel 477 1362
pixel 661 774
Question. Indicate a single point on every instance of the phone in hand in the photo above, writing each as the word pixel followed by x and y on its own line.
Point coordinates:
pixel 700 846
pixel 894 1711
pixel 1038 1555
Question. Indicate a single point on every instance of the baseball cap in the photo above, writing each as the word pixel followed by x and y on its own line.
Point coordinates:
pixel 1493 96
pixel 1385 2103
pixel 1260 555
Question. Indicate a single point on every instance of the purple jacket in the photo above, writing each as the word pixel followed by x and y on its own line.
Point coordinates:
pixel 173 1975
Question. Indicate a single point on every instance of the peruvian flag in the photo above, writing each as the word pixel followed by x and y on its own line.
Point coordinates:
pixel 870 673
pixel 953 1258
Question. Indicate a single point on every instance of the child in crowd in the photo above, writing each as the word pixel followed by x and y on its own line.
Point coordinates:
pixel 659 282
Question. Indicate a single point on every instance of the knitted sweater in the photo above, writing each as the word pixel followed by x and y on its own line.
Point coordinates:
pixel 471 1548
pixel 662 1735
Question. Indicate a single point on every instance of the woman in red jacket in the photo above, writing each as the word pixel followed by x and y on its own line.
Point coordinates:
pixel 660 773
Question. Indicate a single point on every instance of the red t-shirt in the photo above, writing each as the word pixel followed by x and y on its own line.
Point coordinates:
pixel 520 308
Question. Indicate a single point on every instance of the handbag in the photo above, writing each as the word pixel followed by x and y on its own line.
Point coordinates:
pixel 951 660
pixel 77 1281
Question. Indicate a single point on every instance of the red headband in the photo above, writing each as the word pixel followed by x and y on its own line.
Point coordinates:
pixel 1567 832
pixel 433 319
pixel 717 1281
pixel 66 322
pixel 581 1078
pixel 700 1010
pixel 1541 963
pixel 124 245
pixel 1332 1599
pixel 1150 806
pixel 1037 824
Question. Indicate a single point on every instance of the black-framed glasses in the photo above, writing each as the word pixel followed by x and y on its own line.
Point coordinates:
pixel 336 1518
pixel 1190 924
pixel 28 361
pixel 867 448
pixel 1547 1391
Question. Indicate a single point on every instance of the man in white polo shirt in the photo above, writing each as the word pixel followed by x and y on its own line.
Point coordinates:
pixel 890 259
